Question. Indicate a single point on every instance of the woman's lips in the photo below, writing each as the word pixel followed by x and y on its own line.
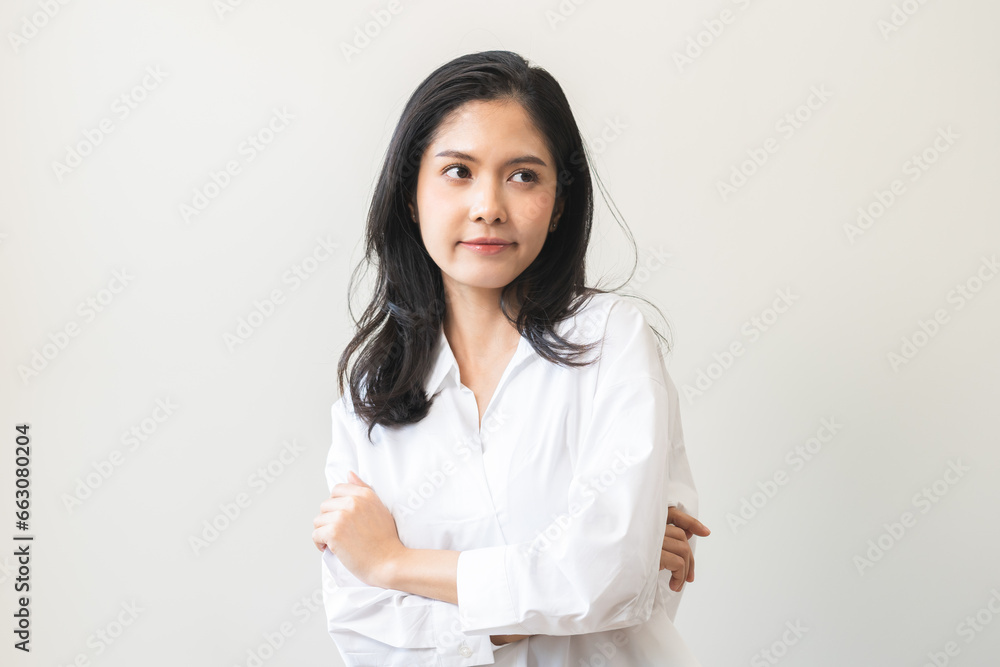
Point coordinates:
pixel 486 248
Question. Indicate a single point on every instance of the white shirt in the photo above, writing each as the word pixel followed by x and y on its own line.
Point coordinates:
pixel 558 503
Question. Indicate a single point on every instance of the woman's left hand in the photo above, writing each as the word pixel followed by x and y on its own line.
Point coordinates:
pixel 676 553
pixel 358 528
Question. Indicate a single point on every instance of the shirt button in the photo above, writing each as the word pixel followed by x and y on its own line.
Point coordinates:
pixel 465 651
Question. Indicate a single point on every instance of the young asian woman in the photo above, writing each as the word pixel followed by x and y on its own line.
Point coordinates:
pixel 521 426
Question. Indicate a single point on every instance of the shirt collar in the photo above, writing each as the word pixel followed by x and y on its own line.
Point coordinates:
pixel 445 364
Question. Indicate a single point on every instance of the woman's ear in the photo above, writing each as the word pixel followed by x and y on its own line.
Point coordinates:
pixel 556 212
pixel 413 211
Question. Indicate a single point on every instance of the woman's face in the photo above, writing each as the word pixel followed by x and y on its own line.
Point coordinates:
pixel 488 174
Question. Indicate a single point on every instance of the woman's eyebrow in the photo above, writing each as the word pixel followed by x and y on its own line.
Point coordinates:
pixel 523 159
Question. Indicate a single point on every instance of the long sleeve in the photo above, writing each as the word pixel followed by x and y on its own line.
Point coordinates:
pixel 377 626
pixel 681 490
pixel 601 571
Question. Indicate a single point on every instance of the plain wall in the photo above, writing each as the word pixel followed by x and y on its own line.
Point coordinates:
pixel 819 543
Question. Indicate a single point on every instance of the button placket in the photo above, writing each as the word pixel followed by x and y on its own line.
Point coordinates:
pixel 496 457
pixel 494 494
pixel 474 436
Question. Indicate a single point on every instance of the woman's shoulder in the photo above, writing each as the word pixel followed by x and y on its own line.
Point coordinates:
pixel 343 411
pixel 603 314
pixel 628 345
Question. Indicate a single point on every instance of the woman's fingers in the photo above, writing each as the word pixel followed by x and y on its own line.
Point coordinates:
pixel 677 566
pixel 329 511
pixel 319 537
pixel 676 556
pixel 690 524
pixel 500 640
pixel 674 532
pixel 338 503
pixel 684 526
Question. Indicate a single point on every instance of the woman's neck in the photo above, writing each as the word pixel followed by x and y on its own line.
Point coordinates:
pixel 476 328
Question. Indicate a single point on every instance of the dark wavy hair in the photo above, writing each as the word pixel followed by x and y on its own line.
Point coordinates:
pixel 398 330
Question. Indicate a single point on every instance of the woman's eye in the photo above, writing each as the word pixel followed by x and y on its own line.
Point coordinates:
pixel 463 168
pixel 460 171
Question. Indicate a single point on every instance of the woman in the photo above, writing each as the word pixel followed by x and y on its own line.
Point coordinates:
pixel 507 470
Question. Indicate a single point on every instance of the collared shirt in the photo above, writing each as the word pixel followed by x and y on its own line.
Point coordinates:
pixel 557 500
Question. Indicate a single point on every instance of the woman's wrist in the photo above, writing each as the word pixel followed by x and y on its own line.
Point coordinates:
pixel 387 575
pixel 432 573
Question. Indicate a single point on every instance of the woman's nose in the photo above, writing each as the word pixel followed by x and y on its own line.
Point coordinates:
pixel 487 203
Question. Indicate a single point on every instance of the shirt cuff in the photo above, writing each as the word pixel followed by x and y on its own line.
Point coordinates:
pixel 467 651
pixel 484 598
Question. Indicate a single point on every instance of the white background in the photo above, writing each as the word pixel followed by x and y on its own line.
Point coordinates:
pixel 684 127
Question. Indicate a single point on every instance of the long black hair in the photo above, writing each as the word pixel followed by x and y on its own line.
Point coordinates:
pixel 398 330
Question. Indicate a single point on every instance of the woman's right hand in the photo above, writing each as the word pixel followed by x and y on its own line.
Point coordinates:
pixel 500 640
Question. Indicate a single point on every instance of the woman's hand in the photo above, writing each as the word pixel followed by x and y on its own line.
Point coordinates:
pixel 358 528
pixel 676 554
pixel 500 640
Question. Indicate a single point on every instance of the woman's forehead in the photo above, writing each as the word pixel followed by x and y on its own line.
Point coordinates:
pixel 472 129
